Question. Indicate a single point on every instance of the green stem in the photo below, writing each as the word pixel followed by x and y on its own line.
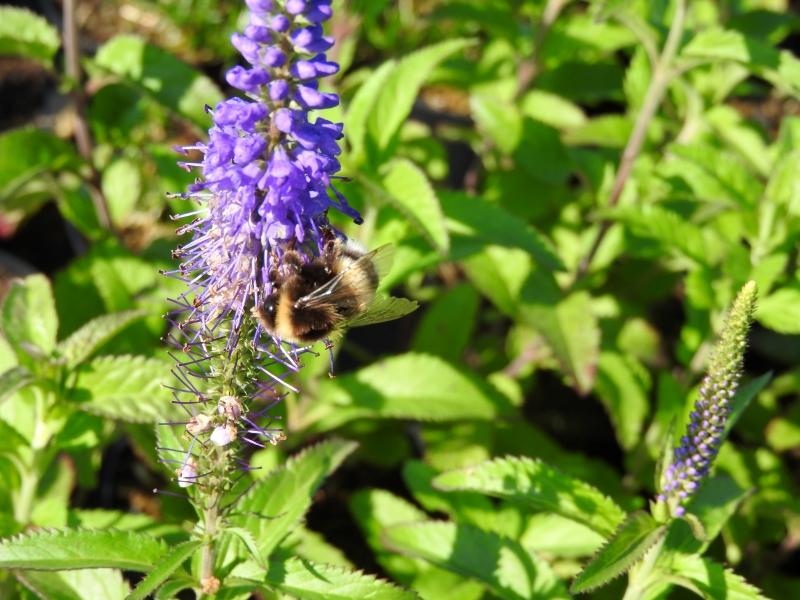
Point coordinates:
pixel 662 75
pixel 210 524
pixel 23 506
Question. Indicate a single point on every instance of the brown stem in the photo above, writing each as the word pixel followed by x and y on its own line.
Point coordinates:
pixel 83 138
pixel 662 74
pixel 529 69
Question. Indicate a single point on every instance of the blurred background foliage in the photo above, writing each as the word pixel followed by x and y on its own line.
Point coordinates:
pixel 568 311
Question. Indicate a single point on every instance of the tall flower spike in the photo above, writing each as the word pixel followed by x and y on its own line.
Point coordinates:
pixel 693 458
pixel 264 190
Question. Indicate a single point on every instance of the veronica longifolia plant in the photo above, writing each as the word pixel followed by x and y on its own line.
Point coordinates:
pixel 266 185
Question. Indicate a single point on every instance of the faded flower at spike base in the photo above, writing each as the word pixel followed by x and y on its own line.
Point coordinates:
pixel 693 458
pixel 265 185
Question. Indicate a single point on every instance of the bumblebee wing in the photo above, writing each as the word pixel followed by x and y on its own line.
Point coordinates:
pixel 330 291
pixel 384 308
pixel 382 259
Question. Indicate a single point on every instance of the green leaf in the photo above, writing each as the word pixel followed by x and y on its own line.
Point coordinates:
pixel 26 153
pixel 29 315
pixel 502 565
pixel 448 323
pixel 400 88
pixel 81 549
pixel 437 391
pixel 122 186
pixel 128 388
pixel 86 340
pixel 23 33
pixel 498 120
pixel 79 584
pixel 12 380
pixel 360 108
pixel 165 567
pixel 156 72
pixel 710 580
pixel 275 504
pixel 742 399
pixel 406 188
pixel 780 311
pixel 533 483
pixel 474 217
pixel 571 331
pixel 623 385
pixel 638 534
pixel 311 581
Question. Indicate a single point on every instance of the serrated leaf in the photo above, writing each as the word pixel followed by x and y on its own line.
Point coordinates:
pixel 83 343
pixel 571 331
pixel 12 380
pixel 128 388
pixel 23 33
pixel 638 534
pixel 249 542
pixel 312 581
pixel 780 311
pixel 490 223
pixel 166 566
pixel 406 188
pixel 710 580
pixel 29 315
pixel 276 503
pixel 80 584
pixel 171 82
pixel 401 87
pixel 437 391
pixel 502 565
pixel 81 549
pixel 530 482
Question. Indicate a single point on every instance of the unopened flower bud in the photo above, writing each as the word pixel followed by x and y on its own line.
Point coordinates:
pixel 224 434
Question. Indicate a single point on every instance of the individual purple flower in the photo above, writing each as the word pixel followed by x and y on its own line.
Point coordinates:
pixel 693 458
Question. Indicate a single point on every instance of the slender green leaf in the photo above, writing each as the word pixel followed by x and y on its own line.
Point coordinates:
pixel 163 570
pixel 171 82
pixel 23 33
pixel 80 584
pixel 81 549
pixel 502 565
pixel 360 108
pixel 125 387
pixel 400 89
pixel 311 581
pixel 533 483
pixel 86 340
pixel 710 580
pixel 275 504
pixel 638 534
pixel 29 315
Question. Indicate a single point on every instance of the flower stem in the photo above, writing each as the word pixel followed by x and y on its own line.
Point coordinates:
pixel 210 523
pixel 662 75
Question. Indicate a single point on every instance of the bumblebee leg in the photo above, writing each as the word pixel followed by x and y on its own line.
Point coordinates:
pixel 329 347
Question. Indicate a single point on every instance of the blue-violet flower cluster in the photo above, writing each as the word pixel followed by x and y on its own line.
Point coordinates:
pixel 693 458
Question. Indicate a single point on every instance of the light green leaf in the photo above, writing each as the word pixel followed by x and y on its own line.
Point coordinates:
pixel 473 217
pixel 124 387
pixel 275 504
pixel 502 565
pixel 29 315
pixel 122 186
pixel 360 108
pixel 552 109
pixel 12 380
pixel 630 543
pixel 400 88
pixel 311 581
pixel 498 120
pixel 80 584
pixel 86 340
pixel 710 580
pixel 23 33
pixel 166 566
pixel 437 391
pixel 533 483
pixel 623 385
pixel 571 331
pixel 406 188
pixel 310 545
pixel 81 549
pixel 780 311
pixel 156 72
